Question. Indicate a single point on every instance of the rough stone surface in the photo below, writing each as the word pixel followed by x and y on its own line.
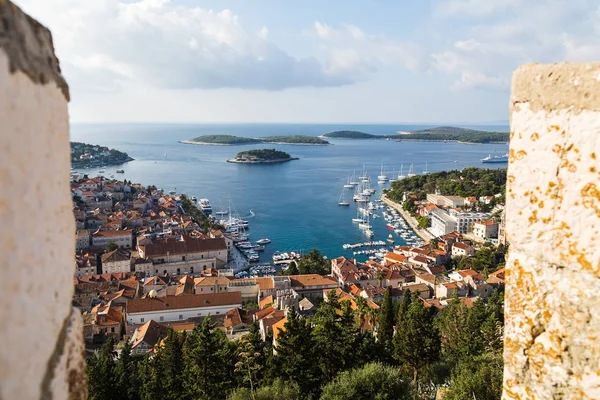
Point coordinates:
pixel 29 47
pixel 552 343
pixel 41 356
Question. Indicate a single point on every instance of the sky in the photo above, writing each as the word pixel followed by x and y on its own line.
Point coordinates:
pixel 310 61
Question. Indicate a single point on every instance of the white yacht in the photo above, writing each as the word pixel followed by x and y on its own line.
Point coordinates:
pixel 425 172
pixel 369 233
pixel 342 200
pixel 204 206
pixel 353 180
pixel 401 174
pixel 411 172
pixel 382 178
pixel 349 184
pixel 263 241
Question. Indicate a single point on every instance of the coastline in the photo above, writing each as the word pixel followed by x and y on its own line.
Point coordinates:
pixel 278 161
pixel 245 144
pixel 95 165
pixel 422 233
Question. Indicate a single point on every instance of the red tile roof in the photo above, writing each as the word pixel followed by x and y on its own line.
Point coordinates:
pixel 182 302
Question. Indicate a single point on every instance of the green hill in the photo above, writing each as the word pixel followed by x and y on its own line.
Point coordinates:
pixel 351 135
pixel 233 140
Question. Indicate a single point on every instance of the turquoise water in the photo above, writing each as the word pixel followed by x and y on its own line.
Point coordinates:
pixel 295 203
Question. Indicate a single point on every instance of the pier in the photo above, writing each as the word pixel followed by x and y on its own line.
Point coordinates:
pixel 422 233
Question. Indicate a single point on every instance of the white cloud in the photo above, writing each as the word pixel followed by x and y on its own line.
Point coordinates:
pixel 485 53
pixel 170 46
pixel 356 52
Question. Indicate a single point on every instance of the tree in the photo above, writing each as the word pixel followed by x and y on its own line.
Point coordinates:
pixel 296 354
pixel 423 222
pixel 314 263
pixel 417 341
pixel 209 363
pixel 101 374
pixel 410 206
pixel 477 378
pixel 251 357
pixel 385 331
pixel 111 246
pixel 278 390
pixel 373 381
pixel 126 372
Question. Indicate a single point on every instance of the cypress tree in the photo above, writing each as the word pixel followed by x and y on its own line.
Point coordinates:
pixel 296 355
pixel 102 379
pixel 417 342
pixel 385 331
pixel 126 371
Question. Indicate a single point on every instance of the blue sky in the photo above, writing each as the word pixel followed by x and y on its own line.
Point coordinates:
pixel 420 61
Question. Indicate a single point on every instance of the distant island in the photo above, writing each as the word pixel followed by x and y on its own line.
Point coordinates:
pixel 237 140
pixel 261 156
pixel 438 134
pixel 91 155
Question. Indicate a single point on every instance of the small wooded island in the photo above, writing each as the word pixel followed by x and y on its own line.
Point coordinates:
pixel 237 140
pixel 438 134
pixel 261 156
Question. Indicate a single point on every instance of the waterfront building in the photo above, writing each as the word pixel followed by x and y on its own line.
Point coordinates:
pixel 179 308
pixel 485 229
pixel 462 249
pixel 445 201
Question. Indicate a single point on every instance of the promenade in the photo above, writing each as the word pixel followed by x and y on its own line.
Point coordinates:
pixel 422 233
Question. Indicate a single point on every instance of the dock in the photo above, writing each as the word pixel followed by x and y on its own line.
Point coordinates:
pixel 422 233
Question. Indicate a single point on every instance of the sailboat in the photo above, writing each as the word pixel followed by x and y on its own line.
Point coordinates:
pixel 425 172
pixel 401 174
pixel 393 179
pixel 348 184
pixel 358 218
pixel 342 201
pixel 411 172
pixel 353 180
pixel 363 175
pixel 382 178
pixel 366 224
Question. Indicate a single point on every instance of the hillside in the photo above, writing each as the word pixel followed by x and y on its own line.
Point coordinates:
pixel 452 133
pixel 237 140
pixel 468 182
pixel 352 135
pixel 261 156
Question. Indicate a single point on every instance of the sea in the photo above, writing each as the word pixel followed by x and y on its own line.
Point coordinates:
pixel 295 204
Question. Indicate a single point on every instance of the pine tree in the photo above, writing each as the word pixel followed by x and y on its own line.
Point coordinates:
pixel 296 355
pixel 417 341
pixel 209 363
pixel 101 374
pixel 171 359
pixel 127 378
pixel 385 331
pixel 252 360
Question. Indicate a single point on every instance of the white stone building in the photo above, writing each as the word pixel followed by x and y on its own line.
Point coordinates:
pixel 179 308
pixel 121 238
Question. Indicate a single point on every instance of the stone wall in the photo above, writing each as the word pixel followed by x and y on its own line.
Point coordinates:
pixel 552 338
pixel 41 356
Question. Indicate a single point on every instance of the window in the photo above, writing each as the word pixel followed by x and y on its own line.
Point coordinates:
pixel 217 312
pixel 141 319
pixel 182 258
pixel 180 316
pixel 162 318
pixel 112 330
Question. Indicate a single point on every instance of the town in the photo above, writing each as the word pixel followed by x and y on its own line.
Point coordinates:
pixel 145 266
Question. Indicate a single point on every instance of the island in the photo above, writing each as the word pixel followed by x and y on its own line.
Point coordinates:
pixel 437 134
pixel 261 156
pixel 230 140
pixel 91 155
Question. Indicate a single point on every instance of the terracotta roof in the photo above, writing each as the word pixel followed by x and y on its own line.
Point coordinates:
pixel 395 257
pixel 115 256
pixel 182 302
pixel 211 281
pixel 311 280
pixel 462 246
pixel 265 302
pixel 421 259
pixel 264 283
pixel 233 318
pixel 150 333
pixel 488 222
pixel 118 232
pixel 279 326
pixel 161 248
pixel 264 312
pixel 183 326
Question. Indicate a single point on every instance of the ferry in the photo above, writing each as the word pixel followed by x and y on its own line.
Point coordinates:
pixel 205 206
pixel 495 159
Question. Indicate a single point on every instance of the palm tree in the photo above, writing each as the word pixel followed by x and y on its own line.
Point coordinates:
pixel 362 310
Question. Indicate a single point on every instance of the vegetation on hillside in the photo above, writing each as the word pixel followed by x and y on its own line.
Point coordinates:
pixel 351 135
pixel 293 139
pixel 263 155
pixel 224 139
pixel 197 216
pixel 468 182
pixel 448 133
pixel 328 356
pixel 84 154
pixel 232 140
